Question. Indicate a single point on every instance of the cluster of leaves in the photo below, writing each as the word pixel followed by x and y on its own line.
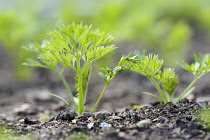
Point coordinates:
pixel 150 66
pixel 164 79
pixel 199 68
pixel 77 47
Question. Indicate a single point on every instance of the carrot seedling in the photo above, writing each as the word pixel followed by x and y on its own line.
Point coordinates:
pixel 199 68
pixel 77 47
pixel 164 79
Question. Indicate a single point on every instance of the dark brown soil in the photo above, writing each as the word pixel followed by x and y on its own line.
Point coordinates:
pixel 151 122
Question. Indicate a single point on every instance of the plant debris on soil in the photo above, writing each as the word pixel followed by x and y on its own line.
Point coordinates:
pixel 155 121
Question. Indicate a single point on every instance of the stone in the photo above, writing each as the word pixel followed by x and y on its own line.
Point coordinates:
pixel 74 121
pixel 90 125
pixel 88 114
pixel 115 118
pixel 100 116
pixel 90 119
pixel 143 123
pixel 67 115
pixel 104 124
pixel 121 135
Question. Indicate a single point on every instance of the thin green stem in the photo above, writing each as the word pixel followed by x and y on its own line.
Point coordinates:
pixel 64 68
pixel 159 100
pixel 68 90
pixel 162 94
pixel 188 88
pixel 86 83
pixel 170 97
pixel 60 74
pixel 101 95
pixel 80 88
pixel 62 99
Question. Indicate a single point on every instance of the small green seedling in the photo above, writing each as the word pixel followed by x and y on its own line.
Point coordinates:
pixel 44 117
pixel 164 79
pixel 199 68
pixel 77 47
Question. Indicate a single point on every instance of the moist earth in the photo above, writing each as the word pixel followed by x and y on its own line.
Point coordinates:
pixel 151 121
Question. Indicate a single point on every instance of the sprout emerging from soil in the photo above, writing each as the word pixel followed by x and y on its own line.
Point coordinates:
pixel 164 79
pixel 77 47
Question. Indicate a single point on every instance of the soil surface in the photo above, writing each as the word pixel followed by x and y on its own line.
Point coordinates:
pixel 150 122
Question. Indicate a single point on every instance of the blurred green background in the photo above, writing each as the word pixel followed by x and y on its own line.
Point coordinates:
pixel 167 28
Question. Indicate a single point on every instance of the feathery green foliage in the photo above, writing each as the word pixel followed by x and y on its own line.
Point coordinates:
pixel 75 46
pixel 199 68
pixel 164 79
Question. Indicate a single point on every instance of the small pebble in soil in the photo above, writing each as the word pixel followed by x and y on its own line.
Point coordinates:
pixel 190 97
pixel 122 135
pixel 74 121
pixel 111 118
pixel 100 116
pixel 202 104
pixel 104 124
pixel 90 119
pixel 3 116
pixel 88 114
pixel 27 121
pixel 144 123
pixel 67 115
pixel 135 117
pixel 90 125
pixel 21 120
pixel 82 118
pixel 160 119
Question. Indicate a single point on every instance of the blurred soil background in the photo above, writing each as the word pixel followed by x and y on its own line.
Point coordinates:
pixel 173 29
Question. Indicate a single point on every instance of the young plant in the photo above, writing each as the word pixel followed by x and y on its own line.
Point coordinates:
pixel 77 47
pixel 199 68
pixel 165 80
pixel 107 77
